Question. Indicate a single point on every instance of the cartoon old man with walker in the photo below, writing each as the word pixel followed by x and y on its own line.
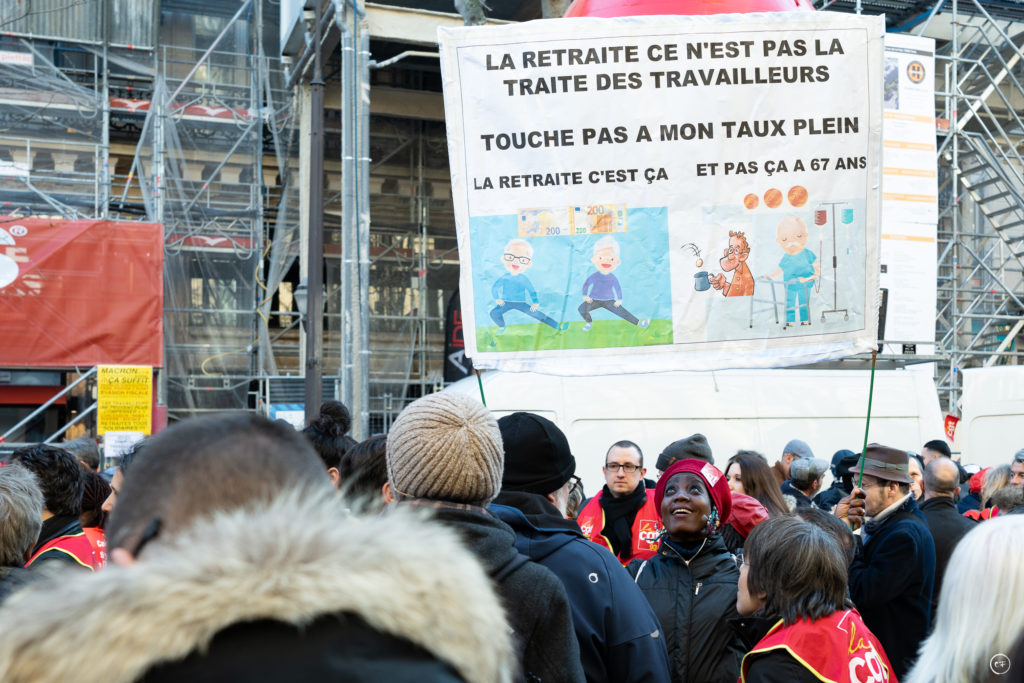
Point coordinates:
pixel 799 267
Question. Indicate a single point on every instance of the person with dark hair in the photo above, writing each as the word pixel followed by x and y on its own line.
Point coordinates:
pixel 445 455
pixel 691 582
pixel 21 518
pixel 842 480
pixel 622 516
pixel 937 448
pixel 233 558
pixel 117 481
pixel 831 525
pixel 746 514
pixel 694 446
pixel 794 575
pixel 748 473
pixel 363 470
pixel 619 636
pixel 892 578
pixel 95 492
pixel 328 432
pixel 60 479
pixel 947 526
pixel 86 452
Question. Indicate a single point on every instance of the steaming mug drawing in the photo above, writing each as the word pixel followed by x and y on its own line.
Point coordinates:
pixel 701 281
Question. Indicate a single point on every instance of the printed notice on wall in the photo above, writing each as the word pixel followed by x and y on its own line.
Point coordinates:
pixel 124 398
pixel 910 214
pixel 656 193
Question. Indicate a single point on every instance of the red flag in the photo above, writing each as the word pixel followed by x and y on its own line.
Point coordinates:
pixel 950 424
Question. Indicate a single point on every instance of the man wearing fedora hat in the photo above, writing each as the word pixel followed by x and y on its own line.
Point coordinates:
pixel 892 576
pixel 619 635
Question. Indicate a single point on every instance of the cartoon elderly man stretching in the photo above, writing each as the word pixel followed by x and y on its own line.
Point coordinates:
pixel 514 291
pixel 602 289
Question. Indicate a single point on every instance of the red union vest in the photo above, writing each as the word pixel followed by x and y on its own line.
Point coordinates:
pixel 838 648
pixel 98 540
pixel 647 528
pixel 76 546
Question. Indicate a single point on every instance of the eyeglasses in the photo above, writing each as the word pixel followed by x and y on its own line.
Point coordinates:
pixel 628 468
pixel 738 559
pixel 521 260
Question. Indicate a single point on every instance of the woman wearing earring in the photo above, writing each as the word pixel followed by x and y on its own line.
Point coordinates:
pixel 793 583
pixel 691 581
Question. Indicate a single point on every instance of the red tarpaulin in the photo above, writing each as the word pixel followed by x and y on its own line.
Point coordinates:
pixel 80 293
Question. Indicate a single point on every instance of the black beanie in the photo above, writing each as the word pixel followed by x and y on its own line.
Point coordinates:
pixel 695 446
pixel 537 455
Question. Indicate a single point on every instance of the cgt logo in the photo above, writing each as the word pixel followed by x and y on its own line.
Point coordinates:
pixel 869 668
pixel 8 266
pixel 649 533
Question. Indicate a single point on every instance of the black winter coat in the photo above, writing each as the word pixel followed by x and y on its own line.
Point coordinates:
pixel 535 600
pixel 891 582
pixel 947 526
pixel 620 639
pixel 695 602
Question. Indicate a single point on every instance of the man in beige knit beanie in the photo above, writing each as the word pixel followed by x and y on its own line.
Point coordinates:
pixel 444 452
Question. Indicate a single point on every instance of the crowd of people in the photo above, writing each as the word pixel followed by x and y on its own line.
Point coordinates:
pixel 460 547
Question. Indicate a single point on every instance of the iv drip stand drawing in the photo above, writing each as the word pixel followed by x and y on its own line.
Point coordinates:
pixel 835 263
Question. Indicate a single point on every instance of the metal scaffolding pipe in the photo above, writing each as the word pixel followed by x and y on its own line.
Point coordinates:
pixel 315 307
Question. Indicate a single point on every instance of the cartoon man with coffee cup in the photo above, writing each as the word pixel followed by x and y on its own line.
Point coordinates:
pixel 735 260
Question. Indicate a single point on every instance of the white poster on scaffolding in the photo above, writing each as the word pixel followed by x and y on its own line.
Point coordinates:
pixel 908 247
pixel 660 193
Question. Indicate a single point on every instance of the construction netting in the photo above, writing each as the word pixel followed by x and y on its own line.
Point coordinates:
pixel 50 130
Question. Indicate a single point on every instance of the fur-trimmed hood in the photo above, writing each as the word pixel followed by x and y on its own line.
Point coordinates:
pixel 292 560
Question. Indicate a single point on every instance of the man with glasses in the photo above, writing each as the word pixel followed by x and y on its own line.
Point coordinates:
pixel 735 260
pixel 893 573
pixel 514 291
pixel 618 633
pixel 623 516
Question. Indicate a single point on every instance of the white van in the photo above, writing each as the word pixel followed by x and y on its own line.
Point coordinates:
pixel 991 427
pixel 736 409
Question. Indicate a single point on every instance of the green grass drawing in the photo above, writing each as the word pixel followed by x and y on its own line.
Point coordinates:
pixel 604 334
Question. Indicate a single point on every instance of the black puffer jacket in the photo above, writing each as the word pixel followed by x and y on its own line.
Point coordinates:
pixel 694 602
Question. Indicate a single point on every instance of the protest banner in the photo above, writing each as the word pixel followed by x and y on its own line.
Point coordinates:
pixel 124 398
pixel 655 193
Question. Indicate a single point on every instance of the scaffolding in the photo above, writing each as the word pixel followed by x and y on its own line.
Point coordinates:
pixel 195 126
pixel 980 232
pixel 179 113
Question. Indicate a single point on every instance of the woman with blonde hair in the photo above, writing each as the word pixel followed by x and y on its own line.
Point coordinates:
pixel 979 612
pixel 996 479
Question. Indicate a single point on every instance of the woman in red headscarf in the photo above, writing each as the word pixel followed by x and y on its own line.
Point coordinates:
pixel 691 581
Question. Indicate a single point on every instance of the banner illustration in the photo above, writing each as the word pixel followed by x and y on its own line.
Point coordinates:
pixel 691 192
